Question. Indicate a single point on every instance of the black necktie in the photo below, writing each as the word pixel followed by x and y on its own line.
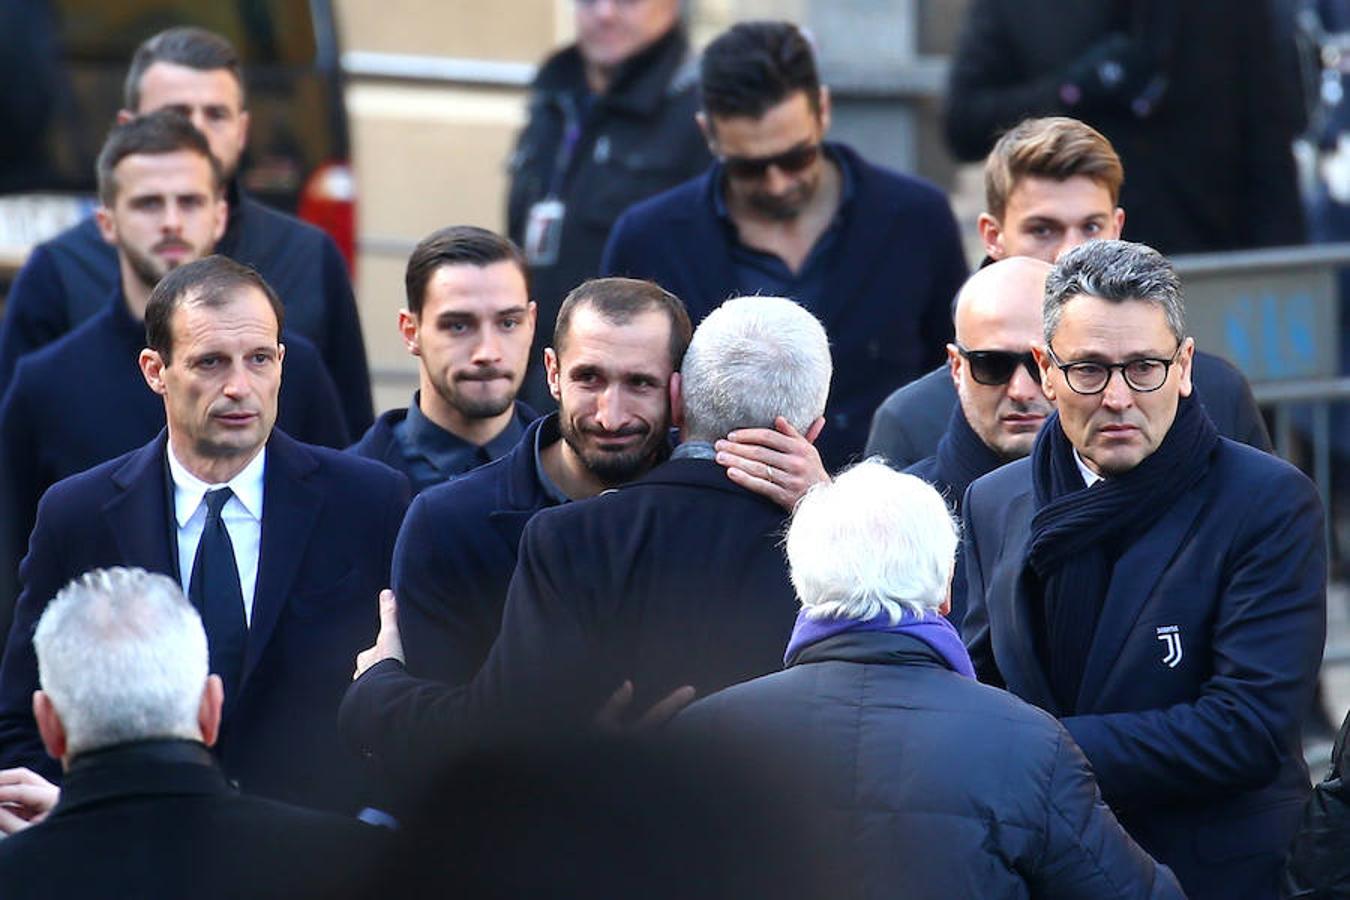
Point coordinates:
pixel 214 590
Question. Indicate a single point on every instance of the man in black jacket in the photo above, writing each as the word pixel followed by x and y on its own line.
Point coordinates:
pixel 935 786
pixel 127 706
pixel 611 122
pixel 66 280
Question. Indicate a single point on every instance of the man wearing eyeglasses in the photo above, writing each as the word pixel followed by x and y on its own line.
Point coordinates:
pixel 1159 588
pixel 1002 407
pixel 874 254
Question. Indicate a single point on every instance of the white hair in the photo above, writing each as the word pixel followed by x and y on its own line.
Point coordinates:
pixel 122 656
pixel 752 359
pixel 875 541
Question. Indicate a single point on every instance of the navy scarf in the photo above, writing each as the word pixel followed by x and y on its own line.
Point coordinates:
pixel 1077 534
pixel 961 458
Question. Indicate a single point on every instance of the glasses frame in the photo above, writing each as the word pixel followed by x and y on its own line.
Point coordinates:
pixel 1111 369
pixel 1026 360
pixel 746 168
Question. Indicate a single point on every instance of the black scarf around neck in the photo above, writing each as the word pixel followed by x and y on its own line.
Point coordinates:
pixel 962 457
pixel 1078 533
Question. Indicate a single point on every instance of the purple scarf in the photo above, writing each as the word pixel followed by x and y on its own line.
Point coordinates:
pixel 933 629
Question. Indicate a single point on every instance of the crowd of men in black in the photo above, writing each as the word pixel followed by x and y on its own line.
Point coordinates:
pixel 662 640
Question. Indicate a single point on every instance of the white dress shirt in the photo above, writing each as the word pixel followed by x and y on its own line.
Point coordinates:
pixel 1089 477
pixel 242 515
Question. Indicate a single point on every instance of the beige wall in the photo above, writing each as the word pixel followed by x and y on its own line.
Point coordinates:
pixel 430 154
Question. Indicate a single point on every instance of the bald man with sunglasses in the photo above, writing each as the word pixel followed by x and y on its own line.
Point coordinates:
pixel 1002 407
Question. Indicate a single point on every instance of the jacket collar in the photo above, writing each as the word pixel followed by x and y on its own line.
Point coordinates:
pixel 640 85
pixel 140 769
pixel 879 647
pixel 693 472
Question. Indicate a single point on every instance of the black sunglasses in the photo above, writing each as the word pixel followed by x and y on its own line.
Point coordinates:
pixel 789 162
pixel 997 366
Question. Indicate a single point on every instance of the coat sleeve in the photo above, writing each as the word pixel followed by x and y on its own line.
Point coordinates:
pixel 1086 852
pixel 35 312
pixel 1268 634
pixel 345 349
pixel 975 626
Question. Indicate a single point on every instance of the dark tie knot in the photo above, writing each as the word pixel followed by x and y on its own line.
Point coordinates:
pixel 216 500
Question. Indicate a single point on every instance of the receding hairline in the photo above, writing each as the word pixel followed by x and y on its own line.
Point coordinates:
pixel 627 320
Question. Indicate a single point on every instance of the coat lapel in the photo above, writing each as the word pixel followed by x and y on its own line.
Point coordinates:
pixel 1133 579
pixel 290 509
pixel 137 515
pixel 1016 657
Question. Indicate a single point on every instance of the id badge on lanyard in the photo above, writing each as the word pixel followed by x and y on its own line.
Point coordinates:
pixel 543 232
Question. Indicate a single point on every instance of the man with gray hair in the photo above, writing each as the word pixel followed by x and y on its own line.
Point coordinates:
pixel 128 708
pixel 1159 588
pixel 672 581
pixel 1003 798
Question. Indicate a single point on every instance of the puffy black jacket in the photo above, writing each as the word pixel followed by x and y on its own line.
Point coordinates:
pixel 1319 863
pixel 936 786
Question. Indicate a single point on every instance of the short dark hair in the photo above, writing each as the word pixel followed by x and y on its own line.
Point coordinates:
pixel 754 66
pixel 213 282
pixel 452 246
pixel 154 133
pixel 193 48
pixel 618 300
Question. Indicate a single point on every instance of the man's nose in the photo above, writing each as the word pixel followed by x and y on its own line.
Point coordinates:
pixel 610 409
pixel 776 181
pixel 489 347
pixel 1022 388
pixel 236 381
pixel 1117 394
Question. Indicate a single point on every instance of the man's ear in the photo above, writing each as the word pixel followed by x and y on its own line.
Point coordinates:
pixel 676 400
pixel 107 228
pixel 954 363
pixel 208 713
pixel 705 126
pixel 825 111
pixel 552 374
pixel 124 116
pixel 1043 360
pixel 991 236
pixel 152 368
pixel 245 120
pixel 221 213
pixel 49 725
pixel 407 328
pixel 1119 216
pixel 1184 361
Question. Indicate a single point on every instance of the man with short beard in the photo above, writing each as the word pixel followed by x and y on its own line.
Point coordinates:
pixel 469 322
pixel 874 254
pixel 675 579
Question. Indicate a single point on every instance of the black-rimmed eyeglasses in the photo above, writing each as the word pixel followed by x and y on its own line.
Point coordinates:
pixel 993 367
pixel 1141 375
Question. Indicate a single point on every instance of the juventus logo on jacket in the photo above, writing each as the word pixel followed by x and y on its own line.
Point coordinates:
pixel 1170 635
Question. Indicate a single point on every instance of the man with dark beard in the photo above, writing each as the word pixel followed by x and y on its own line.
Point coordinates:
pixel 469 322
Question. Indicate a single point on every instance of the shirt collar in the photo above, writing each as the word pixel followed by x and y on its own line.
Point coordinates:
pixel 443 448
pixel 694 450
pixel 189 489
pixel 549 431
pixel 1089 477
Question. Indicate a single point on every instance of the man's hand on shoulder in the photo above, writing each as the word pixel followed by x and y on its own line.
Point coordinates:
pixel 25 799
pixel 388 644
pixel 779 463
pixel 610 718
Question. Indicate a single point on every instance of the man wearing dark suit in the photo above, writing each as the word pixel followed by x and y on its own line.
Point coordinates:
pixel 1159 588
pixel 67 279
pixel 675 579
pixel 81 400
pixel 1050 185
pixel 282 545
pixel 469 322
pixel 127 706
pixel 874 254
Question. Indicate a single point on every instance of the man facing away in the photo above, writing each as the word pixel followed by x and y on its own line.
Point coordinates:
pixel 128 708
pixel 874 254
pixel 673 580
pixel 280 544
pixel 66 279
pixel 1158 588
pixel 469 322
pixel 887 735
pixel 1050 184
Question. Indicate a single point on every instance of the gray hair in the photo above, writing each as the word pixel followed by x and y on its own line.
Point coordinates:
pixel 122 656
pixel 873 542
pixel 752 359
pixel 1116 271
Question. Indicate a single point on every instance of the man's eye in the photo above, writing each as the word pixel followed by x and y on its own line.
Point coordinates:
pixel 1089 370
pixel 1092 228
pixel 510 324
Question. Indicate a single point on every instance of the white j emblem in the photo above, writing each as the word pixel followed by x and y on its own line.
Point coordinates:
pixel 1170 635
